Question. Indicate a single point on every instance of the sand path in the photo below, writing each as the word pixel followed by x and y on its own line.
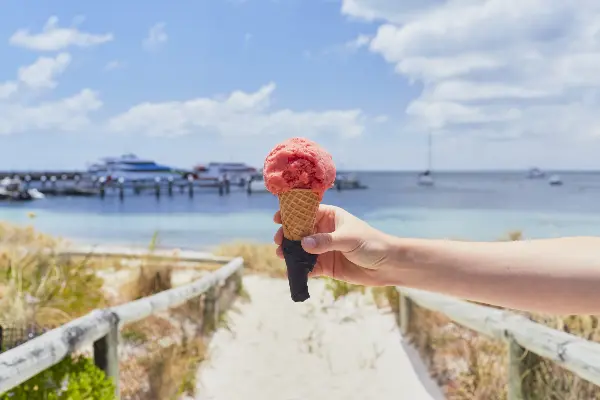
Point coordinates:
pixel 317 350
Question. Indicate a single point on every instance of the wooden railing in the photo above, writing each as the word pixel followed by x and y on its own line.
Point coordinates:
pixel 101 327
pixel 573 353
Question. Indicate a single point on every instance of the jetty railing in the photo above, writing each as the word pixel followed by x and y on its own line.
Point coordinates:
pixel 522 335
pixel 101 327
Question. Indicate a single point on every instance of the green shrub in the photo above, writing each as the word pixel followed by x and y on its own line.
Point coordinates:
pixel 74 378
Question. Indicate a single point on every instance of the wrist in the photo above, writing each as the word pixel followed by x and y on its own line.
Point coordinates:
pixel 407 262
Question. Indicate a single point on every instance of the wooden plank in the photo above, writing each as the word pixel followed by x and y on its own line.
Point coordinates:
pixel 573 353
pixel 123 252
pixel 405 314
pixel 21 363
pixel 140 309
pixel 516 355
pixel 211 313
pixel 106 356
pixel 486 320
pixel 578 355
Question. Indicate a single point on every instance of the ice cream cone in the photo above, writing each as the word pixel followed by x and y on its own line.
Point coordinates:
pixel 298 213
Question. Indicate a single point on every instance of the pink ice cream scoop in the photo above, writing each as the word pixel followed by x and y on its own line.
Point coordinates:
pixel 299 163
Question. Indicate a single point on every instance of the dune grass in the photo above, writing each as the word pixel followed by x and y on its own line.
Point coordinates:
pixel 36 286
pixel 258 258
pixel 40 288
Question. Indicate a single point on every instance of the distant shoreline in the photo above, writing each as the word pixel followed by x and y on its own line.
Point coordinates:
pixel 58 171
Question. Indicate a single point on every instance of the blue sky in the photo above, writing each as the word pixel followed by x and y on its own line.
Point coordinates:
pixel 499 84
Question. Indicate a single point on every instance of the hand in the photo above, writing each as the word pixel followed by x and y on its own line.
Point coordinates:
pixel 349 249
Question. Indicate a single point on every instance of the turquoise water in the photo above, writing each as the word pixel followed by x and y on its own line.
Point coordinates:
pixel 467 206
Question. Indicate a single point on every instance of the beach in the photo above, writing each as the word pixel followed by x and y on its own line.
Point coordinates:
pixel 321 349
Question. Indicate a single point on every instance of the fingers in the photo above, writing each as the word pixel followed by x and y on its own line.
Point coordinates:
pixel 279 252
pixel 277 217
pixel 278 238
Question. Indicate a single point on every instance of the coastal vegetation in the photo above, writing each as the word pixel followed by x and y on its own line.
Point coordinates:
pixel 40 289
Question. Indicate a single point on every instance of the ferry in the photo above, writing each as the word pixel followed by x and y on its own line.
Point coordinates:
pixel 132 168
pixel 237 173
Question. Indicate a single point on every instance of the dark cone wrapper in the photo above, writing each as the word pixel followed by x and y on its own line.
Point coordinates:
pixel 299 263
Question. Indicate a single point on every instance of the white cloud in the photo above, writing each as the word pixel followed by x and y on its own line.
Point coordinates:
pixel 157 37
pixel 358 42
pixel 54 38
pixel 113 65
pixel 68 114
pixel 238 114
pixel 7 89
pixel 381 119
pixel 22 111
pixel 493 67
pixel 41 74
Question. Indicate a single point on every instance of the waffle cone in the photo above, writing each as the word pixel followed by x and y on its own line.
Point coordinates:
pixel 298 213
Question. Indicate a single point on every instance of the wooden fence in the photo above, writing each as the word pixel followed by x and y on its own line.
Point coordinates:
pixel 101 327
pixel 573 353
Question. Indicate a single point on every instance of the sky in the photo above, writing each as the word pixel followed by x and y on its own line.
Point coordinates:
pixel 499 84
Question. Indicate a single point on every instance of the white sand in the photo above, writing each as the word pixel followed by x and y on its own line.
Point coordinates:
pixel 317 350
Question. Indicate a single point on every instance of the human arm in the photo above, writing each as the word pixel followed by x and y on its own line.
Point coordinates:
pixel 559 276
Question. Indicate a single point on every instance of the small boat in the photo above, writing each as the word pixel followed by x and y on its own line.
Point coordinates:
pixel 536 173
pixel 348 181
pixel 426 178
pixel 12 189
pixel 131 168
pixel 555 180
pixel 237 173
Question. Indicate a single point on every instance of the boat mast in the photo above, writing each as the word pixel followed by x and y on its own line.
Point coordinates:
pixel 429 152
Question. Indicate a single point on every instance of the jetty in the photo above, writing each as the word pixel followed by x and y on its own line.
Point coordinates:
pixel 78 183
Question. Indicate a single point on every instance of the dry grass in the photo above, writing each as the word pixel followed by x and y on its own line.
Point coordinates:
pixel 37 287
pixel 174 371
pixel 469 365
pixel 258 258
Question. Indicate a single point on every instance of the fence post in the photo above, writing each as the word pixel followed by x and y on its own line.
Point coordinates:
pixel 405 313
pixel 106 356
pixel 516 356
pixel 209 320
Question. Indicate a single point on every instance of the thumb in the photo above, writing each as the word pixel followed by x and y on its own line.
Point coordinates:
pixel 324 242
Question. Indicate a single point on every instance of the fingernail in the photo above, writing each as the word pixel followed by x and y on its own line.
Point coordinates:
pixel 309 242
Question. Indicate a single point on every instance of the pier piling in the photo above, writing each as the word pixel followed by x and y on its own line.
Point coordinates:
pixel 190 186
pixel 170 187
pixel 121 189
pixel 101 183
pixel 157 187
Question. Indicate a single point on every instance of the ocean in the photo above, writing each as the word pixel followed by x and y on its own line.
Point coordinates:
pixel 476 206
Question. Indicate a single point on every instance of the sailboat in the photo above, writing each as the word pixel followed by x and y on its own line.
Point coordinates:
pixel 426 178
